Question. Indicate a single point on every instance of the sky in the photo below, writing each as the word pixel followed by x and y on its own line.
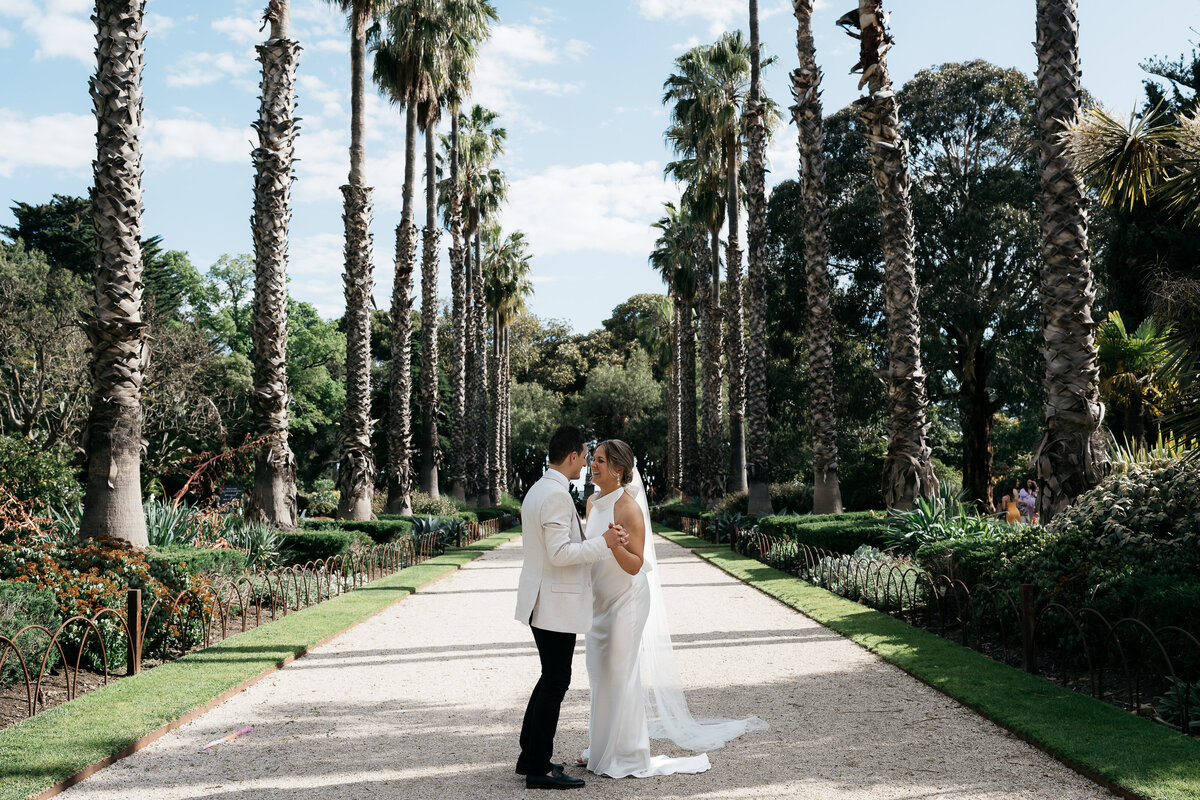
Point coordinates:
pixel 578 85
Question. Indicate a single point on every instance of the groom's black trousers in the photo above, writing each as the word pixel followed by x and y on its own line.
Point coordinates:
pixel 555 650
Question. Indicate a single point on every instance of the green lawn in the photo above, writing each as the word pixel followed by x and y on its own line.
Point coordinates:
pixel 1136 757
pixel 52 746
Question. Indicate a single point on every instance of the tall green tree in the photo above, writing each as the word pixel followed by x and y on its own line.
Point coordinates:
pixel 356 468
pixel 273 496
pixel 1071 457
pixel 112 504
pixel 806 91
pixel 908 472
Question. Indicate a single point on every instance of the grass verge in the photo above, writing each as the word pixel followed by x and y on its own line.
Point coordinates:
pixel 683 539
pixel 1133 756
pixel 39 753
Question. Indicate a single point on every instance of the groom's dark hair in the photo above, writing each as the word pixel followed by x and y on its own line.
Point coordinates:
pixel 566 440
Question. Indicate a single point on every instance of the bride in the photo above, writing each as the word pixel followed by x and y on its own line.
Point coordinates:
pixel 629 639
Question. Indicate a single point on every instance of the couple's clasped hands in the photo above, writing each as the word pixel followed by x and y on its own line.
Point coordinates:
pixel 616 536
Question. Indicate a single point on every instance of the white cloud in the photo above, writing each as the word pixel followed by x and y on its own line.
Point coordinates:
pixel 521 43
pixel 592 207
pixel 720 15
pixel 243 30
pixel 180 139
pixel 6 38
pixel 505 61
pixel 317 99
pixel 58 141
pixel 315 264
pixel 200 69
pixel 333 46
pixel 157 23
pixel 60 28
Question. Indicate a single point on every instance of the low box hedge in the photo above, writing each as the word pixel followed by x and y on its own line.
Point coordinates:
pixel 841 533
pixel 382 530
pixel 491 512
pixel 194 560
pixel 317 545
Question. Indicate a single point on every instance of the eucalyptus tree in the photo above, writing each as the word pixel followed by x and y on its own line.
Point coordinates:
pixel 758 472
pixel 1071 456
pixel 120 347
pixel 469 31
pixel 507 284
pixel 273 497
pixel 907 469
pixel 408 69
pixel 806 92
pixel 356 466
pixel 674 257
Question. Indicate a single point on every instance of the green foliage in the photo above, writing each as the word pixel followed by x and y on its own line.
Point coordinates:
pixel 23 604
pixel 258 541
pixel 38 476
pixel 841 533
pixel 978 557
pixel 196 560
pixel 443 506
pixel 943 517
pixel 301 547
pixel 786 499
pixel 1171 705
pixel 168 523
pixel 381 531
pixel 322 500
pixel 447 529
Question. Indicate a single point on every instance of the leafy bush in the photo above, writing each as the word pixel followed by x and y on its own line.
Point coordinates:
pixel 317 545
pixel 724 525
pixel 443 506
pixel 257 540
pixel 195 560
pixel 841 533
pixel 23 604
pixel 322 499
pixel 978 558
pixel 42 478
pixel 943 517
pixel 786 499
pixel 447 529
pixel 494 512
pixel 381 531
pixel 1170 705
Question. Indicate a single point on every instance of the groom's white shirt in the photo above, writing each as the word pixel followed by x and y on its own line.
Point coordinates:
pixel 555 592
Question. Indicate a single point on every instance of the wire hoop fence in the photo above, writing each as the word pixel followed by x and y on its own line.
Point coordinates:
pixel 1148 669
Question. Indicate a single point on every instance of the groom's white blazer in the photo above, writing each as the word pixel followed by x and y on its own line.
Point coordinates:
pixel 555 592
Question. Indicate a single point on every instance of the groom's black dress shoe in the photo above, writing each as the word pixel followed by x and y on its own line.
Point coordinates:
pixel 553 768
pixel 555 780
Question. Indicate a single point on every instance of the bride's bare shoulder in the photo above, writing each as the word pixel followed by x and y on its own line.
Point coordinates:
pixel 626 508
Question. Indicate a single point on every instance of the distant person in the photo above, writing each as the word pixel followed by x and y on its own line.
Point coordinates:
pixel 1028 501
pixel 1012 508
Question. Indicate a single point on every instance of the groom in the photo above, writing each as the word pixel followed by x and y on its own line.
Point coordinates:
pixel 555 599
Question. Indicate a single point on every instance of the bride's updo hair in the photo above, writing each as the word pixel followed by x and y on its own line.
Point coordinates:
pixel 620 457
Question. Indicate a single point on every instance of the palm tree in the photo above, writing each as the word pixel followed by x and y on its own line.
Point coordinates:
pixel 408 68
pixel 758 474
pixel 273 498
pixel 907 469
pixel 507 284
pixel 120 348
pixel 806 90
pixel 1131 370
pixel 356 468
pixel 466 35
pixel 1071 456
pixel 674 257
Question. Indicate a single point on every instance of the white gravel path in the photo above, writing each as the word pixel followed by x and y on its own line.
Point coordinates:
pixel 425 701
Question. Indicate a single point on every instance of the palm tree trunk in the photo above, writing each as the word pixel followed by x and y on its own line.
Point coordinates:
pixel 495 417
pixel 758 474
pixel 689 452
pixel 431 452
pixel 735 335
pixel 273 497
pixel 907 471
pixel 120 348
pixel 356 468
pixel 482 447
pixel 399 467
pixel 806 90
pixel 1071 455
pixel 674 439
pixel 506 371
pixel 458 289
pixel 712 480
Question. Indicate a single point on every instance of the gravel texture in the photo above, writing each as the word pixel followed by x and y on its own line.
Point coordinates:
pixel 425 701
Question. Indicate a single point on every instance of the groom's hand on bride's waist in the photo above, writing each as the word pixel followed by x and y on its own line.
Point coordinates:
pixel 615 536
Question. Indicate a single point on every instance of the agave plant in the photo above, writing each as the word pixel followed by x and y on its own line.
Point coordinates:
pixel 259 541
pixel 168 523
pixel 944 516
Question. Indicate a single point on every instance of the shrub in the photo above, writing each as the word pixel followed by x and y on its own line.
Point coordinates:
pixel 168 523
pixel 786 499
pixel 42 478
pixel 841 533
pixel 381 531
pixel 943 517
pixel 322 499
pixel 447 529
pixel 317 545
pixel 257 540
pixel 443 506
pixel 23 604
pixel 494 512
pixel 978 558
pixel 195 560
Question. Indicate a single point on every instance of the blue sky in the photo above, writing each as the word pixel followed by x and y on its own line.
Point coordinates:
pixel 578 84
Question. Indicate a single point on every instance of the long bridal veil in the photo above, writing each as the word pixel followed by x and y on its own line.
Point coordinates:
pixel 666 707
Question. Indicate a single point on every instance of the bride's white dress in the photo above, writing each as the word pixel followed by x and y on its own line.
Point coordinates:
pixel 619 733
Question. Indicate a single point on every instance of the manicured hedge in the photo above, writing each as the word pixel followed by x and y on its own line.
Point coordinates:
pixel 382 530
pixel 492 512
pixel 309 545
pixel 841 533
pixel 194 560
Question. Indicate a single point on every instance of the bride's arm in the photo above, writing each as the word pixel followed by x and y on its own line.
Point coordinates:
pixel 629 516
